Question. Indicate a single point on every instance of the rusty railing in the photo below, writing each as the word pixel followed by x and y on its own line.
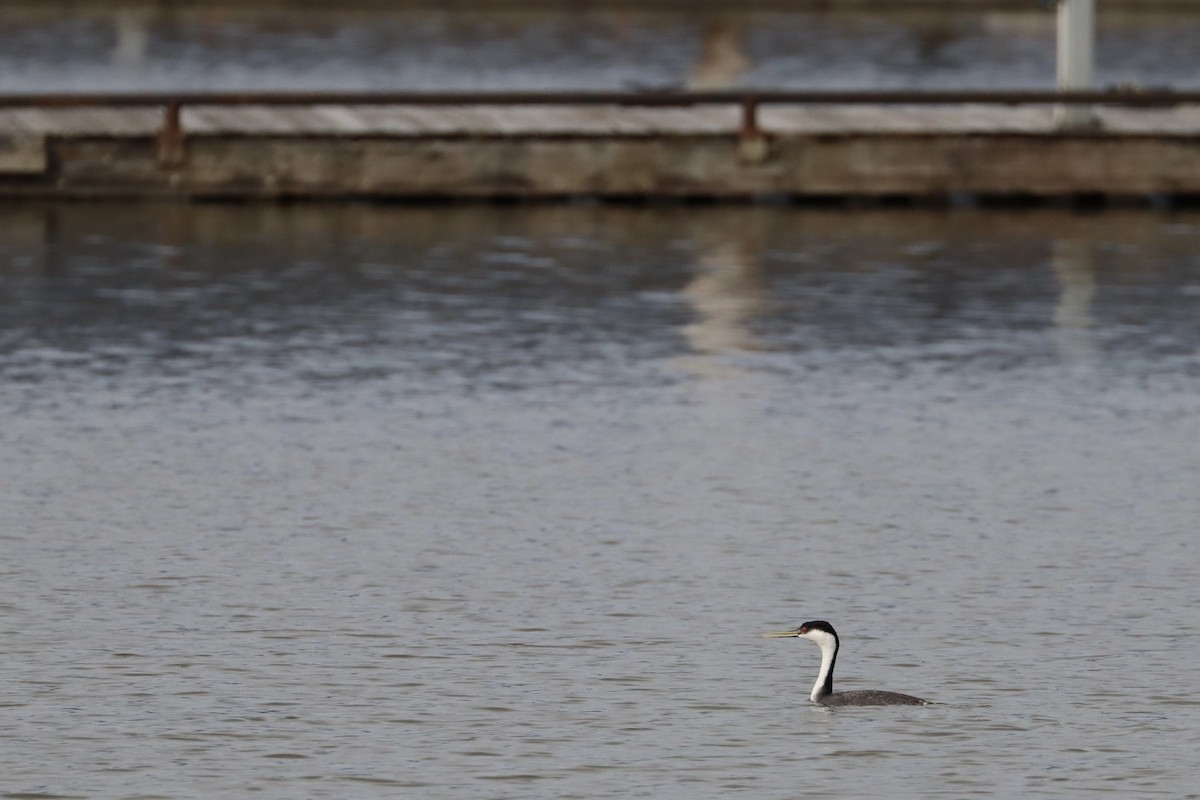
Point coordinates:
pixel 171 136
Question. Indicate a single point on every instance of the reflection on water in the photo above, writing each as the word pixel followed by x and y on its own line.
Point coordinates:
pixel 1074 267
pixel 479 501
pixel 726 295
pixel 495 291
pixel 748 281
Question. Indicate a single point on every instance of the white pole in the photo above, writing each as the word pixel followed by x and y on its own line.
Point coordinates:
pixel 1076 58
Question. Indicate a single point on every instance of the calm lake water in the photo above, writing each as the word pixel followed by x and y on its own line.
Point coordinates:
pixel 56 45
pixel 491 502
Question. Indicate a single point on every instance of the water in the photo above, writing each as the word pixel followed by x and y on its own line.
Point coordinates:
pixel 48 47
pixel 357 501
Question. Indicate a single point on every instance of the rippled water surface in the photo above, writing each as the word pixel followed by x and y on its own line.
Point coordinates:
pixel 66 46
pixel 485 502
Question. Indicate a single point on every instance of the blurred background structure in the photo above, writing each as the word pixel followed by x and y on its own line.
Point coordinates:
pixel 610 99
pixel 404 45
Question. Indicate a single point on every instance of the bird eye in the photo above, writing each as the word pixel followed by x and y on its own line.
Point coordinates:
pixel 804 629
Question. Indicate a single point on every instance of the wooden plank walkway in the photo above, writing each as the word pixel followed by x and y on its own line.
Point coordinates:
pixel 500 121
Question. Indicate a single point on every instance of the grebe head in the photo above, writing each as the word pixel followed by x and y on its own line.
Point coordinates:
pixel 818 631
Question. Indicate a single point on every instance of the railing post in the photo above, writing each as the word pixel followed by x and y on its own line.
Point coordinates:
pixel 171 141
pixel 1076 60
pixel 752 143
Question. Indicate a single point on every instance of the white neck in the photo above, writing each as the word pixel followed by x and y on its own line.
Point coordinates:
pixel 829 648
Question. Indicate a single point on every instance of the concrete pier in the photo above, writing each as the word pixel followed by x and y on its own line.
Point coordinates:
pixel 607 151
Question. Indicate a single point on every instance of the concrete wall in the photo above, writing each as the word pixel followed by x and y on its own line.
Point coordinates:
pixel 851 165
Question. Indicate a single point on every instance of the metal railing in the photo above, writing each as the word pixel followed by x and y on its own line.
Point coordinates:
pixel 171 136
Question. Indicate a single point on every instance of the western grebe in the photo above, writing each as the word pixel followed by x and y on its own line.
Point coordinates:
pixel 826 638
